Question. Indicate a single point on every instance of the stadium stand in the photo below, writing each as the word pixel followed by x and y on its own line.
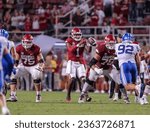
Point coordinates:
pixel 56 17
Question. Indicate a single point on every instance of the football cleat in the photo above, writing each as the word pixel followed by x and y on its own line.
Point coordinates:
pixel 81 99
pixel 5 111
pixel 12 98
pixel 115 99
pixel 68 99
pixel 127 101
pixel 141 101
pixel 88 99
pixel 38 98
pixel 145 100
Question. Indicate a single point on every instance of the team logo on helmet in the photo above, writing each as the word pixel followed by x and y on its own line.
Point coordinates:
pixel 4 33
pixel 76 34
pixel 128 37
pixel 27 41
pixel 110 41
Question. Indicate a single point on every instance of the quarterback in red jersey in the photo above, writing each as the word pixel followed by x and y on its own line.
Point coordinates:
pixel 76 45
pixel 31 62
pixel 101 61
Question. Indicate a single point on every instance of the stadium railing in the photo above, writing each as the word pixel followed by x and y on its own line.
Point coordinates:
pixel 141 33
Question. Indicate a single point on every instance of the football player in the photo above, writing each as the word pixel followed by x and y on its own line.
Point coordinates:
pixel 76 45
pixel 129 62
pixel 100 64
pixel 4 54
pixel 115 75
pixel 32 62
pixel 6 69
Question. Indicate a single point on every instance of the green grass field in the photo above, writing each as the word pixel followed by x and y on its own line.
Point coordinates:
pixel 53 103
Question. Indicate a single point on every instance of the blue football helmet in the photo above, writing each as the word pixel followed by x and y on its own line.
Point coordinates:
pixel 4 33
pixel 127 37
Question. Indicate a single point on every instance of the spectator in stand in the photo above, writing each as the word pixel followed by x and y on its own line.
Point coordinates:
pixel 1 9
pixel 114 20
pixel 122 21
pixel 43 22
pixel 77 19
pixel 117 7
pixel 65 8
pixel 132 10
pixel 7 19
pixel 35 23
pixel 15 19
pixel 28 23
pixel 84 7
pixel 54 12
pixel 21 4
pixel 40 10
pixel 140 8
pixel 9 4
pixel 147 5
pixel 35 4
pixel 125 8
pixel 93 20
pixel 101 15
pixel 98 3
pixel 21 19
pixel 108 7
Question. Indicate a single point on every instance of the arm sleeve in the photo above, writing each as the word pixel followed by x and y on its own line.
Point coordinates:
pixel 116 64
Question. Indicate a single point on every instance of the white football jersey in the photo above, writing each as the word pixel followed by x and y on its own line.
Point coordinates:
pixel 126 52
pixel 10 45
pixel 3 44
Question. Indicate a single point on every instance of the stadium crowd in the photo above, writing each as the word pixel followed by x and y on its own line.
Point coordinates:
pixel 40 15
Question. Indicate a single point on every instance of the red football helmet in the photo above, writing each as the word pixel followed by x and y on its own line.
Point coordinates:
pixel 76 34
pixel 110 41
pixel 27 41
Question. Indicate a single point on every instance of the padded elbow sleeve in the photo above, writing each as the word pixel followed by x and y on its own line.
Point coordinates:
pixel 93 62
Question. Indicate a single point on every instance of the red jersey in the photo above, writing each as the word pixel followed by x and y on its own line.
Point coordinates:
pixel 28 57
pixel 107 56
pixel 75 53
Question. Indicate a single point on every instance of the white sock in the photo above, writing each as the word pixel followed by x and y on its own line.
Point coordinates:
pixel 4 109
pixel 137 87
pixel 13 93
pixel 38 92
pixel 116 95
pixel 144 96
pixel 85 88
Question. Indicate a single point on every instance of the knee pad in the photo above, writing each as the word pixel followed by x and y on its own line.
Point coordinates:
pixel 14 81
pixel 89 82
pixel 37 81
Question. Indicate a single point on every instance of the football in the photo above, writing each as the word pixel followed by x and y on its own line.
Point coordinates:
pixel 92 41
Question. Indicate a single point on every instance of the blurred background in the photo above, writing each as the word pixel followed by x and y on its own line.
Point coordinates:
pixel 50 22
